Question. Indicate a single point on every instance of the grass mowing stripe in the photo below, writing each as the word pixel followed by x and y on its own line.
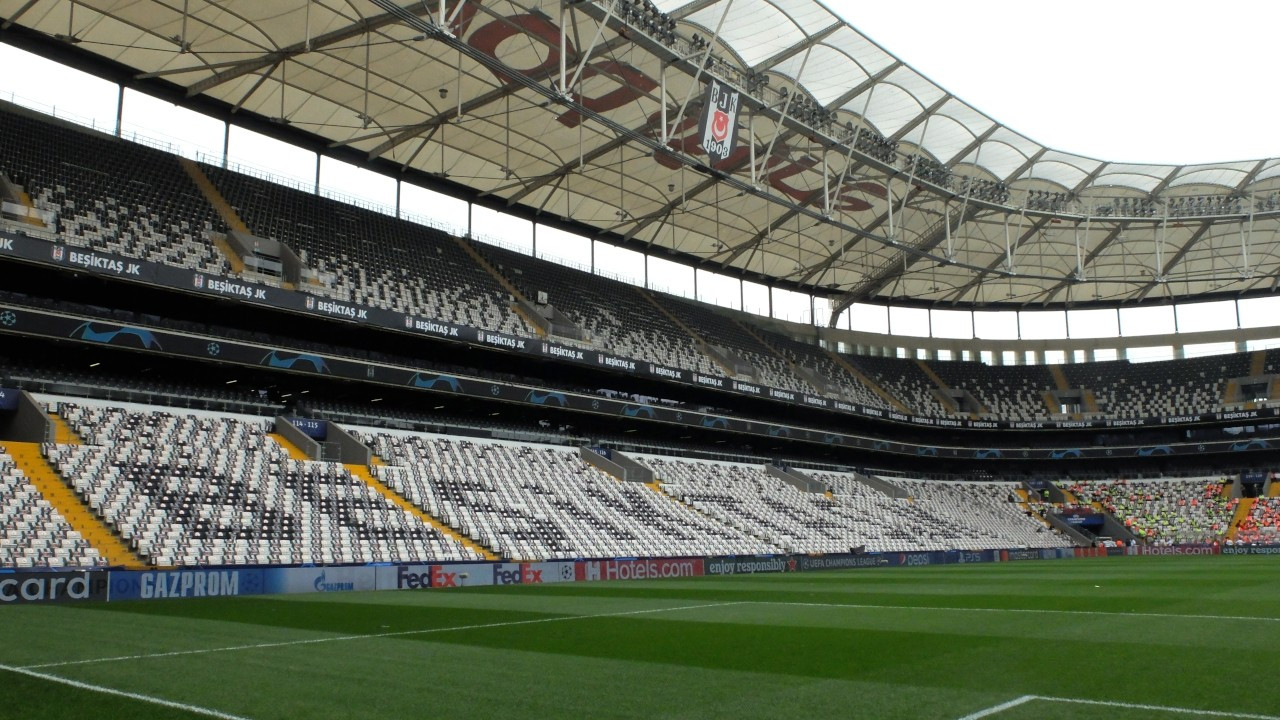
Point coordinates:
pixel 195 709
pixel 343 638
pixel 997 709
pixel 1035 611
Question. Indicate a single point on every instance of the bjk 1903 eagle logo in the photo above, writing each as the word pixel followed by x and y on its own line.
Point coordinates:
pixel 720 120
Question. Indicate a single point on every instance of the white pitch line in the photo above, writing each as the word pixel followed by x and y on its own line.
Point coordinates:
pixel 1159 708
pixel 1029 611
pixel 399 633
pixel 997 709
pixel 198 710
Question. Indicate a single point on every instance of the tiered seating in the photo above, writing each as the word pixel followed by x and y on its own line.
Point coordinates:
pixel 722 332
pixel 32 533
pixel 1262 525
pixel 821 364
pixel 110 195
pixel 538 502
pixel 1011 392
pixel 904 380
pixel 747 497
pixel 982 512
pixel 213 489
pixel 613 313
pixel 941 516
pixel 1157 389
pixel 1164 511
pixel 369 258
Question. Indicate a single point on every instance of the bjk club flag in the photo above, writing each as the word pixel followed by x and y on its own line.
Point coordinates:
pixel 719 127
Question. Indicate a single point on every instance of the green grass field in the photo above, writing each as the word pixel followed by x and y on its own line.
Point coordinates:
pixel 1108 638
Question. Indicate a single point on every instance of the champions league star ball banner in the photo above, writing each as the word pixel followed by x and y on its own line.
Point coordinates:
pixel 719 126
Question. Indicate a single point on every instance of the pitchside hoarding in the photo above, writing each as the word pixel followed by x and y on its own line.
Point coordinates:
pixel 534 573
pixel 639 569
pixel 283 581
pixel 195 582
pixel 63 586
pixel 422 577
pixel 19 588
pixel 748 565
pixel 1251 550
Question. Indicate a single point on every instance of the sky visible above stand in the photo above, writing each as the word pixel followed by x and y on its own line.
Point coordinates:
pixel 1170 82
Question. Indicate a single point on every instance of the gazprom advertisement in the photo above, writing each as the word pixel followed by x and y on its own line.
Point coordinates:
pixel 195 582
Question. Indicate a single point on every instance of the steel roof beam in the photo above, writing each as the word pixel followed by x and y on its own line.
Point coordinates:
pixel 817 194
pixel 909 256
pixel 250 65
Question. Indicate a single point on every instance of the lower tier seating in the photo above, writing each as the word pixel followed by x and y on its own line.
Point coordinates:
pixel 212 489
pixel 1164 511
pixel 32 533
pixel 538 502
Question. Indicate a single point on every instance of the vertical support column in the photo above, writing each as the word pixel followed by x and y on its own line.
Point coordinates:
pixel 119 110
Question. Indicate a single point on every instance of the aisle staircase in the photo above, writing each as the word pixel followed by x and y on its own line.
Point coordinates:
pixel 880 392
pixel 714 357
pixel 521 302
pixel 362 472
pixel 294 451
pixel 225 211
pixel 1242 511
pixel 63 434
pixel 79 516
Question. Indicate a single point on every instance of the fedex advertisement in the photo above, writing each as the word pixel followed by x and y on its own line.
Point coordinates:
pixel 534 573
pixel 421 577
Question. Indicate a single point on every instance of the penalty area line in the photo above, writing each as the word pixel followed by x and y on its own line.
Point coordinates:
pixel 997 709
pixel 186 707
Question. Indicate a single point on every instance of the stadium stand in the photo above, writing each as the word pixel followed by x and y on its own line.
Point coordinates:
pixel 931 515
pixel 366 257
pixel 363 256
pixel 747 497
pixel 980 509
pixel 32 533
pixel 821 369
pixel 1158 389
pixel 1164 511
pixel 1013 392
pixel 903 379
pixel 615 316
pixel 214 489
pixel 538 502
pixel 1262 524
pixel 749 356
pixel 106 194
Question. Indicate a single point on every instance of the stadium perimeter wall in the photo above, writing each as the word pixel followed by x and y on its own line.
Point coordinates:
pixel 62 586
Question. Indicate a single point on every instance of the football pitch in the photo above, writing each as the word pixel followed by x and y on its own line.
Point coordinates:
pixel 1152 637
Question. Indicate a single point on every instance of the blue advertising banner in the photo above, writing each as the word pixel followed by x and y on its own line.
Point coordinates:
pixel 8 398
pixel 319 579
pixel 150 585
